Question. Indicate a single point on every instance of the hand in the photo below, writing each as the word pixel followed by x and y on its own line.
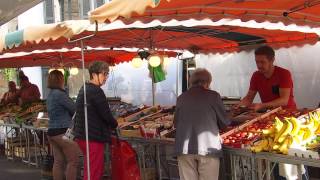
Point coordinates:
pixel 257 106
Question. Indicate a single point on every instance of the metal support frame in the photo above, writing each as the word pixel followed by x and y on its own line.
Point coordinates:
pixel 81 39
pixel 27 138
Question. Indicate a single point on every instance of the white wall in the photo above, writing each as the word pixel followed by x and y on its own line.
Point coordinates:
pixel 232 72
pixel 133 85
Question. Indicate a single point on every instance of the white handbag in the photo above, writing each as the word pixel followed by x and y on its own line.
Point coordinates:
pixel 69 135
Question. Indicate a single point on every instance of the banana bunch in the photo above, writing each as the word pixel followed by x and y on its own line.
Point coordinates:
pixel 287 133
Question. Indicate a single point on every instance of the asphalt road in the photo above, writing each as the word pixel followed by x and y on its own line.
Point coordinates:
pixel 16 170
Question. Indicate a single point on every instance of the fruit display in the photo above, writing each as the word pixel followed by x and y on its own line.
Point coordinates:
pixel 245 134
pixel 121 109
pixel 21 114
pixel 289 132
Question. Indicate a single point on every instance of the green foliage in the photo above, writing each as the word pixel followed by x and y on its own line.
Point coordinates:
pixel 10 74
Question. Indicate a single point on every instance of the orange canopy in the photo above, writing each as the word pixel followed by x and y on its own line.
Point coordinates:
pixel 69 58
pixel 202 39
pixel 299 12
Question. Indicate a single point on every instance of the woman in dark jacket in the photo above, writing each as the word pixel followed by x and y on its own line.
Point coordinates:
pixel 60 110
pixel 100 120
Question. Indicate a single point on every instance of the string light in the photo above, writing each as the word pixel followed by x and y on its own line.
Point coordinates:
pixel 136 62
pixel 154 60
pixel 74 71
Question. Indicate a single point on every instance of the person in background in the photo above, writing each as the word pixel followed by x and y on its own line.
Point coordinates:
pixel 100 120
pixel 28 92
pixel 60 110
pixel 10 97
pixel 273 83
pixel 199 115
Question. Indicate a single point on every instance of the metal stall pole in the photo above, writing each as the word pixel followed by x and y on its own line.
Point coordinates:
pixel 85 111
pixel 153 88
pixel 158 160
pixel 85 95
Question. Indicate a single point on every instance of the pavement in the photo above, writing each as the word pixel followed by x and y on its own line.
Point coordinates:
pixel 16 170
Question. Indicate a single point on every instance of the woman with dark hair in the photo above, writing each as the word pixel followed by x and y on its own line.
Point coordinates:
pixel 100 120
pixel 60 110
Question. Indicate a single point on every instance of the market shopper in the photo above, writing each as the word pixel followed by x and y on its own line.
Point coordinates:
pixel 199 115
pixel 273 83
pixel 28 92
pixel 100 120
pixel 10 97
pixel 60 110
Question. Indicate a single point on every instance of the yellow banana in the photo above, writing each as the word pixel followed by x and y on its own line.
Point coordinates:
pixel 281 131
pixel 276 146
pixel 269 145
pixel 284 146
pixel 295 126
pixel 290 141
pixel 307 136
pixel 288 129
pixel 318 113
pixel 260 145
pixel 317 131
pixel 278 124
pixel 316 121
pixel 268 131
pixel 309 124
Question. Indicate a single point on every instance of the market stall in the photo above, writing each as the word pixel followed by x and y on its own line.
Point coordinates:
pixel 288 12
pixel 145 128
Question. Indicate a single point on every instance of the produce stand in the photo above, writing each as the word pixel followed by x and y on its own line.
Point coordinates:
pixel 237 162
pixel 155 152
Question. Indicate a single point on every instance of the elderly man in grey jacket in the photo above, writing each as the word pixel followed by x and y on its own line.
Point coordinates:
pixel 198 117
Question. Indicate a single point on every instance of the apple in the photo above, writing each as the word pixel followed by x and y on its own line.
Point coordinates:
pixel 243 134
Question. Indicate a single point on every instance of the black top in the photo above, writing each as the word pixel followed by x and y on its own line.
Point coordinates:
pixel 56 131
pixel 100 119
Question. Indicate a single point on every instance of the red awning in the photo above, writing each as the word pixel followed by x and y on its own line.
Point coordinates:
pixel 299 12
pixel 204 39
pixel 68 58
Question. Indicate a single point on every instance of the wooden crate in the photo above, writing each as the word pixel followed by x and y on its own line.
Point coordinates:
pixel 132 117
pixel 134 132
pixel 130 133
pixel 238 128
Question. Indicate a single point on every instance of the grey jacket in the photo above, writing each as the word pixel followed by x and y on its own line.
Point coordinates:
pixel 198 117
pixel 60 109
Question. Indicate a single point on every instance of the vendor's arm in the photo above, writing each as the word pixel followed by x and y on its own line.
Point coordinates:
pixel 253 89
pixel 281 101
pixel 248 99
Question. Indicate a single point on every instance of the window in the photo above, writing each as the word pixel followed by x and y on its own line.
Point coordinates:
pixel 84 8
pixel 100 2
pixel 49 11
